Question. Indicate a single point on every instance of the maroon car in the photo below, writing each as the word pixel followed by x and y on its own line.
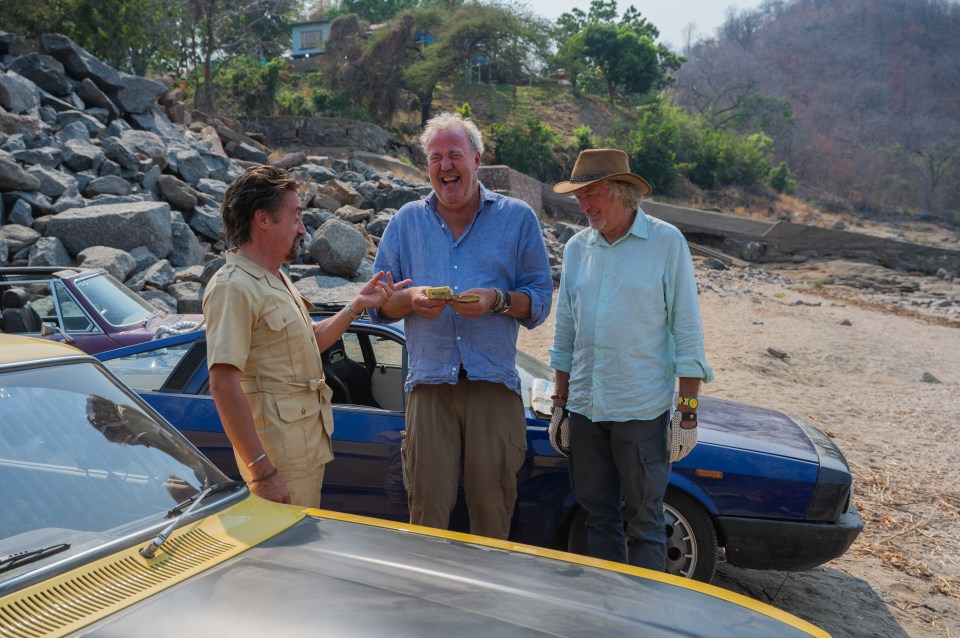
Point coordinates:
pixel 87 308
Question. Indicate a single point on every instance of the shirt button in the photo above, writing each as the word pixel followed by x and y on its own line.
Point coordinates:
pixel 303 410
pixel 455 267
pixel 458 338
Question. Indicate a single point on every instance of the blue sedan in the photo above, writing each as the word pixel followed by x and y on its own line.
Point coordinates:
pixel 761 490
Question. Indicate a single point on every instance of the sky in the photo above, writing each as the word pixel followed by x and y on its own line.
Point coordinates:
pixel 671 17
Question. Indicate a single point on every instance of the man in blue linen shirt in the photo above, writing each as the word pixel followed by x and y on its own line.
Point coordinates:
pixel 627 326
pixel 464 412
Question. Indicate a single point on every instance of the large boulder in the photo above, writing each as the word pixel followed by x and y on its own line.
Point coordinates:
pixel 17 93
pixel 338 248
pixel 79 64
pixel 14 178
pixel 138 95
pixel 124 226
pixel 118 263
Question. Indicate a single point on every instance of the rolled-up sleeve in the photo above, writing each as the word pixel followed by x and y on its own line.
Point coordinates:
pixel 534 276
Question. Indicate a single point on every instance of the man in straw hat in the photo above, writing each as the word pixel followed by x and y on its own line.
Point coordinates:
pixel 627 326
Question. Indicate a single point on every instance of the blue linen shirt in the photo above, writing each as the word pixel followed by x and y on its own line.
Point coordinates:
pixel 628 321
pixel 501 248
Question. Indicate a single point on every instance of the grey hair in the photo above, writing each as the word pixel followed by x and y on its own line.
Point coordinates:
pixel 446 121
pixel 628 194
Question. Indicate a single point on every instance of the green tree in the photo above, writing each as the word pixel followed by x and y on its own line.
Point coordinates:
pixel 625 53
pixel 373 11
pixel 509 37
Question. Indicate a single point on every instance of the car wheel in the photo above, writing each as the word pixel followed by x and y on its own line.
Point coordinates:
pixel 691 537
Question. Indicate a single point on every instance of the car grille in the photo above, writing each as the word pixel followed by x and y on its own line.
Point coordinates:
pixel 62 605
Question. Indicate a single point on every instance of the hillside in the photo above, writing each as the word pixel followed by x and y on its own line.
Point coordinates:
pixel 563 111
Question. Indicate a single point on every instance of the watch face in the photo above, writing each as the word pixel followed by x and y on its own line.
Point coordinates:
pixel 690 402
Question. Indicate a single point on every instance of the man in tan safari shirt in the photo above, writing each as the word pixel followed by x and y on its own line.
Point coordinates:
pixel 263 350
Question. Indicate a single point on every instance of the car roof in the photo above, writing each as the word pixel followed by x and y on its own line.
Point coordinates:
pixel 16 349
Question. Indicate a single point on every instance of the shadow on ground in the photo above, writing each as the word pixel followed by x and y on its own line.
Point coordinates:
pixel 840 604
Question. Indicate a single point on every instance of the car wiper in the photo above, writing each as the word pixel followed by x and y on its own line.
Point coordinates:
pixel 24 558
pixel 213 489
pixel 151 549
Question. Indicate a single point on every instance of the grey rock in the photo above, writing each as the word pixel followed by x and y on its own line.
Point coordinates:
pixel 213 187
pixel 48 251
pixel 189 165
pixel 12 44
pixel 395 198
pixel 160 300
pixel 79 64
pixel 18 94
pixel 109 185
pixel 339 248
pixel 92 124
pixel 4 251
pixel 246 152
pixel 156 122
pixel 123 226
pixel 160 275
pixel 39 203
pixel 138 94
pixel 94 98
pixel 21 213
pixel 70 198
pixel 379 222
pixel 44 156
pixel 143 257
pixel 926 377
pixel 80 156
pixel 210 268
pixel 314 218
pixel 44 71
pixel 177 192
pixel 118 263
pixel 565 231
pixel 109 167
pixel 187 250
pixel 352 214
pixel 120 153
pixel 206 221
pixel 317 173
pixel 189 296
pixel 322 289
pixel 17 237
pixel 715 264
pixel 73 131
pixel 220 167
pixel 14 178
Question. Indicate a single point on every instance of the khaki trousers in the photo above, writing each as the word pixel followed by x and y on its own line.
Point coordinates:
pixel 474 427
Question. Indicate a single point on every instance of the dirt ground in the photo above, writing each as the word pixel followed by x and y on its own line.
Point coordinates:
pixel 854 367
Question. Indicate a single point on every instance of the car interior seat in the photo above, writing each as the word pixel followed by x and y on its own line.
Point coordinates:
pixel 17 314
pixel 353 375
pixel 340 392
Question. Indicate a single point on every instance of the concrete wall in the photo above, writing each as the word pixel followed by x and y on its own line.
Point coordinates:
pixel 287 131
pixel 505 180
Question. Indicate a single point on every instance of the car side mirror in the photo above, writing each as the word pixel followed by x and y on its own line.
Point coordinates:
pixel 48 329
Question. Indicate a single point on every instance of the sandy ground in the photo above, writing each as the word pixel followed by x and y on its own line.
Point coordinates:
pixel 855 369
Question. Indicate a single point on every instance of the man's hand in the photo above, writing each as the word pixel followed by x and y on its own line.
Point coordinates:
pixel 423 305
pixel 272 489
pixel 377 291
pixel 477 308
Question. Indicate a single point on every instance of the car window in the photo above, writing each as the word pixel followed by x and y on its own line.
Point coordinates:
pixel 80 459
pixel 149 370
pixel 74 317
pixel 117 304
pixel 351 344
pixel 387 351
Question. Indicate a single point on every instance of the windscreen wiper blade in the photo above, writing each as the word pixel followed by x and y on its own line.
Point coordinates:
pixel 150 550
pixel 219 487
pixel 24 558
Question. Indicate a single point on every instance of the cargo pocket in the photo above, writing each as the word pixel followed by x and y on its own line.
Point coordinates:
pixel 299 426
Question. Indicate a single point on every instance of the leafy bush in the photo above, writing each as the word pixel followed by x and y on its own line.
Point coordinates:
pixel 583 138
pixel 782 180
pixel 465 110
pixel 527 147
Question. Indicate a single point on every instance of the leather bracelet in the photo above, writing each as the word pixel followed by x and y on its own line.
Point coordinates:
pixel 499 303
pixel 269 474
pixel 688 416
pixel 257 460
pixel 558 396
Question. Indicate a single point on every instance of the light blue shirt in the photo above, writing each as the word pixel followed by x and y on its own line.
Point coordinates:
pixel 501 248
pixel 628 321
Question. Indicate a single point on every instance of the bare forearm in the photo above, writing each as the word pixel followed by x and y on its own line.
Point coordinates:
pixel 236 416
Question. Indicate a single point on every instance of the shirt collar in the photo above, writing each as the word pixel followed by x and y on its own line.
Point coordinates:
pixel 253 269
pixel 486 195
pixel 640 228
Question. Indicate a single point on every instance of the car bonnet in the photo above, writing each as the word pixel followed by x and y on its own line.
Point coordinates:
pixel 328 574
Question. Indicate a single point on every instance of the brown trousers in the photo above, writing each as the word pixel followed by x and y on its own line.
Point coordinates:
pixel 474 427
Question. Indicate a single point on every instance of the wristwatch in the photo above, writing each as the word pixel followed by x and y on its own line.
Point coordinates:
pixel 690 402
pixel 506 303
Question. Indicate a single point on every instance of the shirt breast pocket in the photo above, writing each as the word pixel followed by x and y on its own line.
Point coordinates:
pixel 279 323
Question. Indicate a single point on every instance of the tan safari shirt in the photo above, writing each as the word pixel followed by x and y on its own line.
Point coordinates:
pixel 261 325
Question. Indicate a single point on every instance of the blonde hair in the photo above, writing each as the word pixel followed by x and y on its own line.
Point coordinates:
pixel 628 194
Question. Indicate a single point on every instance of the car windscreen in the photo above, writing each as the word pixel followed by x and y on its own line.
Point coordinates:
pixel 117 304
pixel 80 458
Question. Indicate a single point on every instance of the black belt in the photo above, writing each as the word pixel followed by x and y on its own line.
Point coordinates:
pixel 463 372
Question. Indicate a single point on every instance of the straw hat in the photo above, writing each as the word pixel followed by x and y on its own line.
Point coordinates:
pixel 601 163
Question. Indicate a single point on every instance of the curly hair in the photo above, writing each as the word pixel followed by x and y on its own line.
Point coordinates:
pixel 260 187
pixel 628 194
pixel 446 121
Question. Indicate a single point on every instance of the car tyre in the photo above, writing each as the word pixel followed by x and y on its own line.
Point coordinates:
pixel 691 537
